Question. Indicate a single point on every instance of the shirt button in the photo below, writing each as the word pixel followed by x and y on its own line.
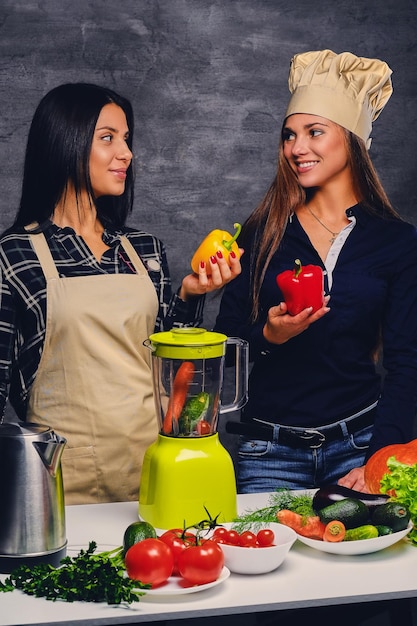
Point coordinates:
pixel 153 265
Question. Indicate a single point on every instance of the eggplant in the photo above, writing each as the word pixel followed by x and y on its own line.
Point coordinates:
pixel 334 493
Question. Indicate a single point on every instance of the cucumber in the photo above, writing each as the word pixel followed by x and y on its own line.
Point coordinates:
pixel 383 530
pixel 137 531
pixel 350 511
pixel 195 410
pixel 392 514
pixel 361 532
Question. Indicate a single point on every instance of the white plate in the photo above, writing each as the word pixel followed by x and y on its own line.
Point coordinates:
pixel 73 549
pixel 362 546
pixel 176 586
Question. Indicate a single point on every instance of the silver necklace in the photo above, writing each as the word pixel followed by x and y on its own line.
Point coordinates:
pixel 334 235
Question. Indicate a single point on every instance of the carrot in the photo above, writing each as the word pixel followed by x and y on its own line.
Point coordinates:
pixel 335 531
pixel 182 381
pixel 307 526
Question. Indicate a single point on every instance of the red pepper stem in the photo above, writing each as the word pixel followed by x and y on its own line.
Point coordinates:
pixel 297 268
pixel 229 242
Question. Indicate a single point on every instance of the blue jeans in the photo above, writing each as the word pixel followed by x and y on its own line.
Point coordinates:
pixel 268 465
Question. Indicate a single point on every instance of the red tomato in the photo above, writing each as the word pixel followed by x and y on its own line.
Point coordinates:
pixel 180 532
pixel 248 539
pixel 220 531
pixel 201 564
pixel 175 540
pixel 203 427
pixel 233 538
pixel 220 535
pixel 151 561
pixel 218 539
pixel 265 537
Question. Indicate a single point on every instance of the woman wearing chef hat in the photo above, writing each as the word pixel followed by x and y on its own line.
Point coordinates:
pixel 318 407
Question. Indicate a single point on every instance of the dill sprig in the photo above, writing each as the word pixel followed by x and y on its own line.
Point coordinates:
pixel 255 519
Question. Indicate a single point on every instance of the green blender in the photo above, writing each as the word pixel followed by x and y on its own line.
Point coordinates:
pixel 187 473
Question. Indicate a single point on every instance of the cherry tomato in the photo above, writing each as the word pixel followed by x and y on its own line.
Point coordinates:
pixel 265 537
pixel 220 531
pixel 220 535
pixel 178 542
pixel 233 538
pixel 219 540
pixel 201 564
pixel 151 561
pixel 203 427
pixel 248 539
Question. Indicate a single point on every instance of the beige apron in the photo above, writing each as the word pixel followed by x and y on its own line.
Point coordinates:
pixel 94 383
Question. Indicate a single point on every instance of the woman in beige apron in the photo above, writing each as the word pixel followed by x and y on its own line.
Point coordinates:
pixel 72 353
pixel 93 383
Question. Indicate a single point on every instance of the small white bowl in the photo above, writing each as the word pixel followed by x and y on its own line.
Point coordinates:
pixel 259 560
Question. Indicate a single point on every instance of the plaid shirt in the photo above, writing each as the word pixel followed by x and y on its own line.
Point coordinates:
pixel 23 295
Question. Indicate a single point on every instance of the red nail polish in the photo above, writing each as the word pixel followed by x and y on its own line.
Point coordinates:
pixel 213 259
pixel 219 254
pixel 233 254
pixel 202 265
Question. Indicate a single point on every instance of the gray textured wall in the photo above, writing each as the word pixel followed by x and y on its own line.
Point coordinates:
pixel 208 81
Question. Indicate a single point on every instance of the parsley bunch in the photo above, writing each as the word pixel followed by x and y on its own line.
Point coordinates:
pixel 89 577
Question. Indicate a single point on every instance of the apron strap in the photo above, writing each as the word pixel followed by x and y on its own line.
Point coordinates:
pixel 133 255
pixel 43 252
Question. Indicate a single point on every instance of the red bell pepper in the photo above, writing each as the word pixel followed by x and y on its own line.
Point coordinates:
pixel 302 287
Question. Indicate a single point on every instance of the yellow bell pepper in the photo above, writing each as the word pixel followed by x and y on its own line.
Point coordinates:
pixel 215 241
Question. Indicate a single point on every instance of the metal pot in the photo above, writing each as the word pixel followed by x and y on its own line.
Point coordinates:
pixel 32 511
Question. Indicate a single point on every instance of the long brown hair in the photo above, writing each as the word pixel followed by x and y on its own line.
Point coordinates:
pixel 265 227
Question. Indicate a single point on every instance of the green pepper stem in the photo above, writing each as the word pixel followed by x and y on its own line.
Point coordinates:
pixel 229 242
pixel 297 268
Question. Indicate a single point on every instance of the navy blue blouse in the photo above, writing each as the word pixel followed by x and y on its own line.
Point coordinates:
pixel 328 373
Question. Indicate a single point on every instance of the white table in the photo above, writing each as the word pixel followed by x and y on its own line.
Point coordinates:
pixel 307 578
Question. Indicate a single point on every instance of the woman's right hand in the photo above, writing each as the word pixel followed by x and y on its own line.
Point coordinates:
pixel 221 272
pixel 281 326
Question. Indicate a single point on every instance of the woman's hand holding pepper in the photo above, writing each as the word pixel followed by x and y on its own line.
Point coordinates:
pixel 281 326
pixel 220 274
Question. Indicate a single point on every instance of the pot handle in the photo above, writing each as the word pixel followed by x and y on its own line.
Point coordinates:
pixel 241 375
pixel 147 344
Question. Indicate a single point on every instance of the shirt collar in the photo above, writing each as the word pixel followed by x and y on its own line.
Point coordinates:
pixel 110 236
pixel 356 211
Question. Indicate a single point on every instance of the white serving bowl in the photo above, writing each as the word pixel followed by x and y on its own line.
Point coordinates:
pixel 259 560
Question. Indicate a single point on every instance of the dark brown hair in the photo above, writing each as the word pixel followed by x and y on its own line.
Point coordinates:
pixel 58 152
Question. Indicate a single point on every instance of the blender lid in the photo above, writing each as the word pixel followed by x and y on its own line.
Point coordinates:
pixel 188 343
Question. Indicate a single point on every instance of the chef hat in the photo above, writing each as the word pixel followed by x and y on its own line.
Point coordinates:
pixel 344 88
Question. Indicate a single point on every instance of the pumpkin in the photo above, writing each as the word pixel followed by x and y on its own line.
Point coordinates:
pixel 376 466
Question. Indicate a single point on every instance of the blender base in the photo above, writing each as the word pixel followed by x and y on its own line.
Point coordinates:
pixel 182 477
